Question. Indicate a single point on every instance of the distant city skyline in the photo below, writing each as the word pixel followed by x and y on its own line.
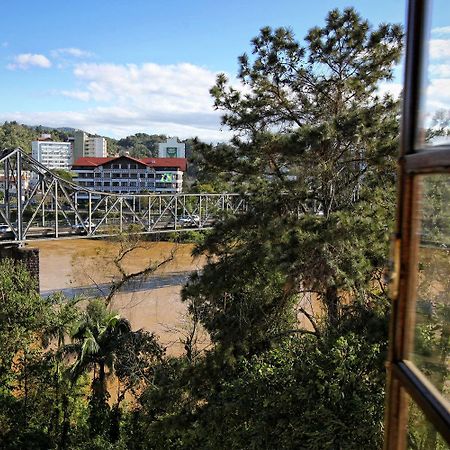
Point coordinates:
pixel 117 68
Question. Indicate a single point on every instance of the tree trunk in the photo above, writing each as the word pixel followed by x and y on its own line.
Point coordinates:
pixel 331 301
pixel 65 424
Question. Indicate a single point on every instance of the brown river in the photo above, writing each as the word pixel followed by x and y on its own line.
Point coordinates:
pixel 86 267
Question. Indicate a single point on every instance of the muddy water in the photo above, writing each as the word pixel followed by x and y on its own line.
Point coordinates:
pixel 70 264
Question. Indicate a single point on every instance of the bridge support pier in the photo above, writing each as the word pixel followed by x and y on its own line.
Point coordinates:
pixel 28 256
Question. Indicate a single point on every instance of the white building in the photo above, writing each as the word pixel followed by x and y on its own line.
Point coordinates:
pixel 172 149
pixel 126 175
pixel 96 147
pixel 53 155
pixel 86 146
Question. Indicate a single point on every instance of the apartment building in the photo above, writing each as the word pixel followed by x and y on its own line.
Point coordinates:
pixel 126 175
pixel 87 146
pixel 172 149
pixel 53 155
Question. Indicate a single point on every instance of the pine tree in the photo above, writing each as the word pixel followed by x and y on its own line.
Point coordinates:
pixel 314 151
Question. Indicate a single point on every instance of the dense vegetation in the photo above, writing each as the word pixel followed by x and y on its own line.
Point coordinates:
pixel 13 134
pixel 293 295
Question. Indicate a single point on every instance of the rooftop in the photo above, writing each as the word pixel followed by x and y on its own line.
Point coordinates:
pixel 89 161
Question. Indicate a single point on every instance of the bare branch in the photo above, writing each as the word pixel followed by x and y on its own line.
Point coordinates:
pixel 126 277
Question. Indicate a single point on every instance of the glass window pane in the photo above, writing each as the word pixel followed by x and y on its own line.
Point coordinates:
pixel 434 116
pixel 421 433
pixel 431 350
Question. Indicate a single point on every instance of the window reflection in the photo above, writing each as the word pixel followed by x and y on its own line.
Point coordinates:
pixel 421 433
pixel 434 116
pixel 431 351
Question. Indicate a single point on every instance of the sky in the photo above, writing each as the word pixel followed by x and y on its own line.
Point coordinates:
pixel 117 67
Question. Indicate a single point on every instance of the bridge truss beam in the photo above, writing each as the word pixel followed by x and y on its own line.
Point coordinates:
pixel 38 204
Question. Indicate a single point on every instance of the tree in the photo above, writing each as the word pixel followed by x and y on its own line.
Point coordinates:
pixel 13 135
pixel 35 399
pixel 64 174
pixel 95 341
pixel 314 155
pixel 141 144
pixel 64 316
pixel 23 316
pixel 314 150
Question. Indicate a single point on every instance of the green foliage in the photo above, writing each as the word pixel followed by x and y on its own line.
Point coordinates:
pixel 22 314
pixel 64 174
pixel 112 147
pixel 31 372
pixel 141 145
pixel 317 162
pixel 13 135
pixel 186 237
pixel 314 151
pixel 199 177
pixel 300 393
pixel 44 400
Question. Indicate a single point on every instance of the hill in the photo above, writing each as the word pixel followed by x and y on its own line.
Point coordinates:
pixel 13 134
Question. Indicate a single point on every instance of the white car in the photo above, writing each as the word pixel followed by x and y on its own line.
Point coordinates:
pixel 193 219
pixel 79 226
pixel 4 228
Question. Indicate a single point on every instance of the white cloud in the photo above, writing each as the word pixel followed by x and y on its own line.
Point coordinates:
pixel 393 89
pixel 71 51
pixel 27 60
pixel 441 30
pixel 437 95
pixel 439 48
pixel 439 70
pixel 172 99
pixel 118 100
pixel 77 95
pixel 179 84
pixel 115 122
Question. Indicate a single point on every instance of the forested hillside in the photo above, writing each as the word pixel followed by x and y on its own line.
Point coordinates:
pixel 13 134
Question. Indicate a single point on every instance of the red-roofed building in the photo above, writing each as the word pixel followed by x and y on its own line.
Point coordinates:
pixel 124 174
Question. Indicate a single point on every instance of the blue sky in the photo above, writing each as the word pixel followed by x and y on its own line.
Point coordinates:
pixel 118 67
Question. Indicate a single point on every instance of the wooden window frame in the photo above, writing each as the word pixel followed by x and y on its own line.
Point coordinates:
pixel 404 379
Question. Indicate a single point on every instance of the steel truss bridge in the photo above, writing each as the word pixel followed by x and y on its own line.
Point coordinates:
pixel 38 204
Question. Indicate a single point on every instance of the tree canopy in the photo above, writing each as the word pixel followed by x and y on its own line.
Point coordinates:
pixel 314 151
